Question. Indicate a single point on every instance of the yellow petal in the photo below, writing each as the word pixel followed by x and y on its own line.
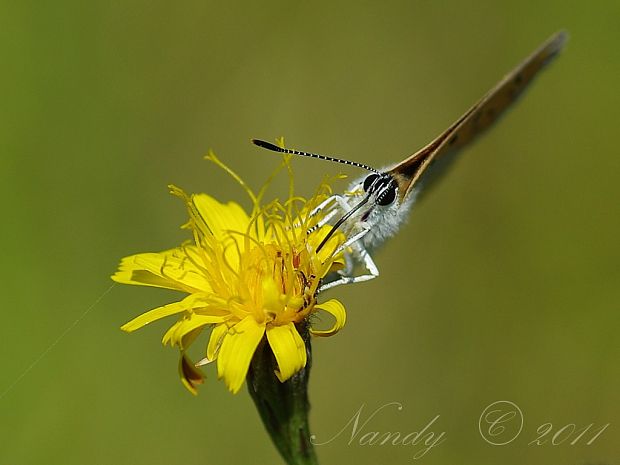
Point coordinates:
pixel 336 309
pixel 170 335
pixel 271 295
pixel 169 269
pixel 155 314
pixel 215 340
pixel 189 337
pixel 191 377
pixel 221 217
pixel 288 348
pixel 237 350
pixel 177 332
pixel 188 303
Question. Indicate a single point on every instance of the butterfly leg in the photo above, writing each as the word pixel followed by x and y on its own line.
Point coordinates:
pixel 328 216
pixel 322 205
pixel 360 254
pixel 340 205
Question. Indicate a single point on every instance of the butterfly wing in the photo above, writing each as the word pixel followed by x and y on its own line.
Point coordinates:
pixel 409 173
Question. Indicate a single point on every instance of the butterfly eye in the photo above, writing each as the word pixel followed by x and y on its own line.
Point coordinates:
pixel 369 181
pixel 388 195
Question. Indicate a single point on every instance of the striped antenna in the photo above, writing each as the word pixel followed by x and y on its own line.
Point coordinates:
pixel 275 148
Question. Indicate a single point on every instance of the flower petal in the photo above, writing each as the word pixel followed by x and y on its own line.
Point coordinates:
pixel 336 309
pixel 272 295
pixel 169 269
pixel 288 348
pixel 155 314
pixel 215 340
pixel 221 217
pixel 188 303
pixel 237 350
pixel 177 332
pixel 191 376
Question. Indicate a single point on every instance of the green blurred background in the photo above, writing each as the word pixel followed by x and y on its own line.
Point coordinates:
pixel 503 286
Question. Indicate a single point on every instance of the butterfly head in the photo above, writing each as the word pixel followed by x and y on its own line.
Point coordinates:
pixel 382 187
pixel 379 195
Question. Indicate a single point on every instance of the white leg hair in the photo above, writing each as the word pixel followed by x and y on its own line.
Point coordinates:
pixel 320 207
pixel 359 253
pixel 342 203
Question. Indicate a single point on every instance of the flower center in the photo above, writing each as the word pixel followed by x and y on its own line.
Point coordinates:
pixel 281 283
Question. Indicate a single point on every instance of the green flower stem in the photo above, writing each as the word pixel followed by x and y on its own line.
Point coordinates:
pixel 283 407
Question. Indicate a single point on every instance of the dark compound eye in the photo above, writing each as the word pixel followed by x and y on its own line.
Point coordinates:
pixel 383 186
pixel 388 195
pixel 370 179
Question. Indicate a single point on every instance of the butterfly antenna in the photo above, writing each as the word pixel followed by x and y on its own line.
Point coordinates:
pixel 275 148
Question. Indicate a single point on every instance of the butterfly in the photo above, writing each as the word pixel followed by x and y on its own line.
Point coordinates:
pixel 375 206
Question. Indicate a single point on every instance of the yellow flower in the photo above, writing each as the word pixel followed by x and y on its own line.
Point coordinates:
pixel 247 277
